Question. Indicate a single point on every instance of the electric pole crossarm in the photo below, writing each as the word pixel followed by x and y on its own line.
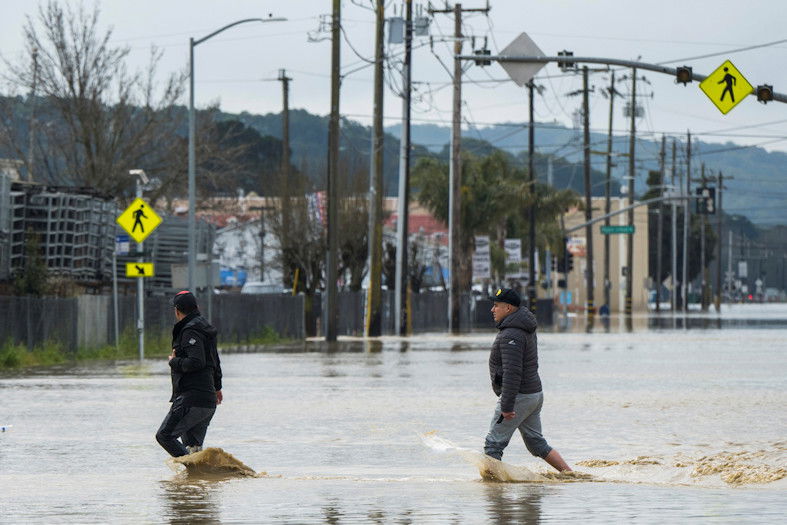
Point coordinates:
pixel 624 210
pixel 656 68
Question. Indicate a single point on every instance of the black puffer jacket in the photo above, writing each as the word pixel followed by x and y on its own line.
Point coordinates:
pixel 196 368
pixel 513 363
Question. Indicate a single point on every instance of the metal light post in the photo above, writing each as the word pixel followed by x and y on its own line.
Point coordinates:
pixel 192 156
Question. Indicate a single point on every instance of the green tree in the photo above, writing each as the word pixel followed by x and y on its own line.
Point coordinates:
pixel 496 200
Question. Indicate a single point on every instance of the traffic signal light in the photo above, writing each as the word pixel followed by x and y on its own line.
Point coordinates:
pixel 765 93
pixel 683 75
pixel 569 262
pixel 565 66
pixel 480 61
pixel 706 201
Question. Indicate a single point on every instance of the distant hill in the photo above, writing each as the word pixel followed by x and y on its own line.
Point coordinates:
pixel 758 189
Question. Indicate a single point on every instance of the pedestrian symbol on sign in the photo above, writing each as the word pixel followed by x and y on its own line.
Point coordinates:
pixel 729 80
pixel 138 216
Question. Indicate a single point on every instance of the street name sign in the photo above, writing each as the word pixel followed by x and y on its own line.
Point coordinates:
pixel 726 87
pixel 139 220
pixel 520 72
pixel 140 269
pixel 623 228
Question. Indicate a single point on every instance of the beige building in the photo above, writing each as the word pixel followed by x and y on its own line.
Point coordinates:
pixel 617 262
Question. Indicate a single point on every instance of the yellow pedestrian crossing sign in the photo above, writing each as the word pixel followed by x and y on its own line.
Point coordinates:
pixel 726 87
pixel 138 269
pixel 139 220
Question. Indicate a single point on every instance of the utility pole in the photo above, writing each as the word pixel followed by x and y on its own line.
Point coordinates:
pixel 588 204
pixel 703 280
pixel 455 256
pixel 403 321
pixel 674 216
pixel 331 316
pixel 531 283
pixel 632 173
pixel 660 225
pixel 719 190
pixel 285 162
pixel 32 126
pixel 375 236
pixel 608 190
pixel 686 221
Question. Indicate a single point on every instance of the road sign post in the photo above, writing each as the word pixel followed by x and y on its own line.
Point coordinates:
pixel 139 220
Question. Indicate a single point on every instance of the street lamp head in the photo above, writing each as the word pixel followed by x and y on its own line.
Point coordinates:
pixel 140 174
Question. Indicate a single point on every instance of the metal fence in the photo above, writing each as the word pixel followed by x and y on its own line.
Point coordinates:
pixel 34 321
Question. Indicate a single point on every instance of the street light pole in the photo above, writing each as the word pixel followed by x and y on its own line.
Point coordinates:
pixel 192 155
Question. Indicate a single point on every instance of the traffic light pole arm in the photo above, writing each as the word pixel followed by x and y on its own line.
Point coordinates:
pixel 656 68
pixel 245 20
pixel 623 210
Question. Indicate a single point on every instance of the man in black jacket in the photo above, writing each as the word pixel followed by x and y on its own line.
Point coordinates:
pixel 196 379
pixel 513 368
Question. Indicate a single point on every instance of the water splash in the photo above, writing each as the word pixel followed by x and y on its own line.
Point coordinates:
pixel 212 463
pixel 491 469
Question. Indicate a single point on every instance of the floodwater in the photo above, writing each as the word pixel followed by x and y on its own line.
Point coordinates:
pixel 669 426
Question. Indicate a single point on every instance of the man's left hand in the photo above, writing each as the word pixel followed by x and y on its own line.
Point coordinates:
pixel 509 415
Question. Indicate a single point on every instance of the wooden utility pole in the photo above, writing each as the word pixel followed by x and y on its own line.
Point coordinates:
pixel 403 321
pixel 720 217
pixel 660 225
pixel 608 190
pixel 457 259
pixel 703 273
pixel 686 227
pixel 285 153
pixel 588 204
pixel 331 314
pixel 632 175
pixel 375 236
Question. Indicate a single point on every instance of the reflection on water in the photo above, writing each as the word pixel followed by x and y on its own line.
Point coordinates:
pixel 190 501
pixel 508 503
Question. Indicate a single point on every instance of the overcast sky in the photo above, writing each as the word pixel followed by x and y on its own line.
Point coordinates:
pixel 235 68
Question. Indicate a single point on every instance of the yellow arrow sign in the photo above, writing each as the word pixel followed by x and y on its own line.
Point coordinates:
pixel 137 269
pixel 139 220
pixel 726 87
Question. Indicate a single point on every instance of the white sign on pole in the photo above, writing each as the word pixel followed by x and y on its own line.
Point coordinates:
pixel 520 72
pixel 743 269
pixel 481 267
pixel 513 249
pixel 482 244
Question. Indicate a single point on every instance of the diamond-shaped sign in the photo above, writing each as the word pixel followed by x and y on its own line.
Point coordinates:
pixel 522 73
pixel 139 220
pixel 726 87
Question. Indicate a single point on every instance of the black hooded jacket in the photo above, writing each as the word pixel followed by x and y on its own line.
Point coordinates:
pixel 196 368
pixel 513 362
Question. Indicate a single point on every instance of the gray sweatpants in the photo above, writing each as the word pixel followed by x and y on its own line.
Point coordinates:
pixel 527 420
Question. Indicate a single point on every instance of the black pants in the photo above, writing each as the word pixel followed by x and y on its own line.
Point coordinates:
pixel 188 423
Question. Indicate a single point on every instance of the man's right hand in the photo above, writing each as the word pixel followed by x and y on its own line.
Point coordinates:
pixel 509 415
pixel 219 397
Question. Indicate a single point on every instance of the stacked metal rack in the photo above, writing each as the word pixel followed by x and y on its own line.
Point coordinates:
pixel 75 228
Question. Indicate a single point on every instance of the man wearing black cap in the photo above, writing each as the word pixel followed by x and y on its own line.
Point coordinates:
pixel 513 368
pixel 196 379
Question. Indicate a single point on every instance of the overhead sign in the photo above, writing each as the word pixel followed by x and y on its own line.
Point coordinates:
pixel 624 228
pixel 138 269
pixel 520 72
pixel 726 87
pixel 139 220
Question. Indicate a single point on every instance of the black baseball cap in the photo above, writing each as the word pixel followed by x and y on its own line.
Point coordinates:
pixel 185 302
pixel 506 295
